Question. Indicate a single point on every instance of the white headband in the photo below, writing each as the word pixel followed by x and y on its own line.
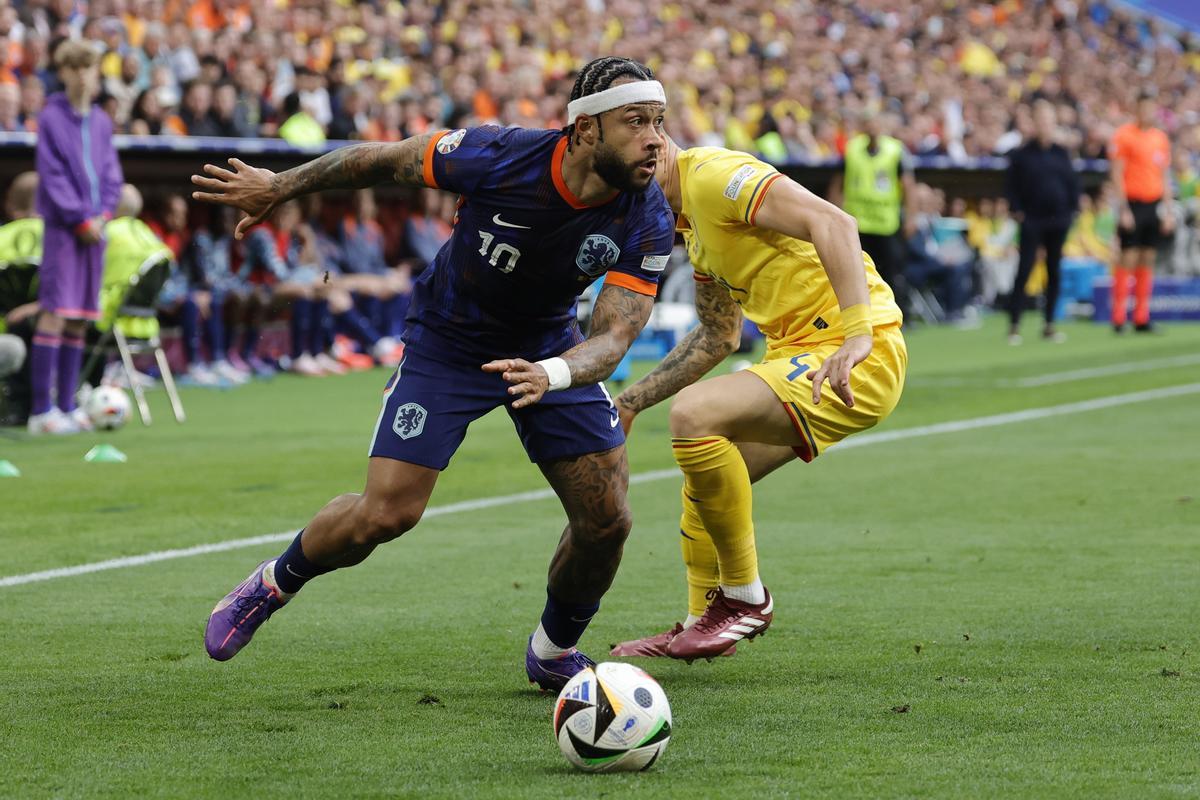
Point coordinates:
pixel 617 96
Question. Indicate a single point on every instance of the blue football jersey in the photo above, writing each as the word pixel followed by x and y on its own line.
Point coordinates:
pixel 524 247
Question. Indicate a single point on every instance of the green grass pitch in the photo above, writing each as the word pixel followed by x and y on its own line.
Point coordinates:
pixel 1003 611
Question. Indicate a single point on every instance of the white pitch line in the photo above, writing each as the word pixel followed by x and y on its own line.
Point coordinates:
pixel 284 536
pixel 1051 378
pixel 1018 416
pixel 861 440
pixel 1115 369
pixel 144 558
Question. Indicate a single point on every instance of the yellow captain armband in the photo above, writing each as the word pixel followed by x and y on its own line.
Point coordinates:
pixel 856 320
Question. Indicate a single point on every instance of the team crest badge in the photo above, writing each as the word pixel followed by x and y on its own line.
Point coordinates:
pixel 597 254
pixel 410 420
pixel 450 142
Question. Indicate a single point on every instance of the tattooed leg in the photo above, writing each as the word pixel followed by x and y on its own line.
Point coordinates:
pixel 593 491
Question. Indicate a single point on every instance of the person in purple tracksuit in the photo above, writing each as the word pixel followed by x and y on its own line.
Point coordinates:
pixel 80 181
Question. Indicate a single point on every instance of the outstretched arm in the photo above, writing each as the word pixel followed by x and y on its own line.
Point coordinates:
pixel 705 346
pixel 258 191
pixel 618 318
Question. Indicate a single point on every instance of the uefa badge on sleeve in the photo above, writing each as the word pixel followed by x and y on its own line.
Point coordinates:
pixel 450 142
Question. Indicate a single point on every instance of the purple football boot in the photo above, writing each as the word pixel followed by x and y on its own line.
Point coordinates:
pixel 552 674
pixel 238 614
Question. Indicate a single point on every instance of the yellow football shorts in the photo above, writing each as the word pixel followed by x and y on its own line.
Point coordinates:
pixel 876 383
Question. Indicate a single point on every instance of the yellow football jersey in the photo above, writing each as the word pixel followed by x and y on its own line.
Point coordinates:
pixel 776 279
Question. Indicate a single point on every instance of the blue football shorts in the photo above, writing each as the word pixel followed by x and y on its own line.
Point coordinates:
pixel 429 402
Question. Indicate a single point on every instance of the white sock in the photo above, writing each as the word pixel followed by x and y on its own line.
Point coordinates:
pixel 752 593
pixel 269 579
pixel 691 620
pixel 543 647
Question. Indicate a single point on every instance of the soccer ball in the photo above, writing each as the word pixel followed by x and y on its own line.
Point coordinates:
pixel 108 407
pixel 612 718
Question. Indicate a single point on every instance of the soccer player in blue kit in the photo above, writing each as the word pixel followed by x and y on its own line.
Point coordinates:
pixel 492 322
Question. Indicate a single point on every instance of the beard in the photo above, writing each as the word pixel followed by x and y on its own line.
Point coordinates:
pixel 615 172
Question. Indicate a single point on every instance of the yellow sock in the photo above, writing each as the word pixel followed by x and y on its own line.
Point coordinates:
pixel 699 556
pixel 715 477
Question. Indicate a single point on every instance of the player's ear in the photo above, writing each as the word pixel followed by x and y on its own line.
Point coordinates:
pixel 585 129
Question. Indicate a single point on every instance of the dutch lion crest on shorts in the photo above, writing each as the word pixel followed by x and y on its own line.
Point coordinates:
pixel 410 420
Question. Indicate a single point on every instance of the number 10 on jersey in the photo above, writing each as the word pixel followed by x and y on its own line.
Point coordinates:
pixel 501 249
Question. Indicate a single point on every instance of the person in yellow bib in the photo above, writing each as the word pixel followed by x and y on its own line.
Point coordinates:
pixel 876 186
pixel 764 247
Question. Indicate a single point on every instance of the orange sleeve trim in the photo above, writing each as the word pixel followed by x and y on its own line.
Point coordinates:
pixel 430 150
pixel 632 283
pixel 701 278
pixel 762 195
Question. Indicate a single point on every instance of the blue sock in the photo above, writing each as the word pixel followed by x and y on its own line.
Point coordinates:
pixel 214 329
pixel 565 623
pixel 43 368
pixel 356 326
pixel 293 569
pixel 70 362
pixel 396 310
pixel 250 342
pixel 321 334
pixel 302 319
pixel 372 309
pixel 189 324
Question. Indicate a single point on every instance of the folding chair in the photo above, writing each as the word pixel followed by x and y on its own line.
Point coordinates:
pixel 925 306
pixel 134 330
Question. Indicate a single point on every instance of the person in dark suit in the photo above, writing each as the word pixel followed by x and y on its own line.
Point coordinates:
pixel 1043 192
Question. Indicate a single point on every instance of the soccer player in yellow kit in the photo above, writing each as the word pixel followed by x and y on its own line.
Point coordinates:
pixel 765 247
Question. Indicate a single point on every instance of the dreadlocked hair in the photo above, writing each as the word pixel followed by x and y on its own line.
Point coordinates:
pixel 598 75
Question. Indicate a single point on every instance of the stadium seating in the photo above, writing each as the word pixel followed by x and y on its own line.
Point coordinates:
pixel 793 75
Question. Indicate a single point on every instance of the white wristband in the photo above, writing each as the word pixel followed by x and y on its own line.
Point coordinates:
pixel 558 372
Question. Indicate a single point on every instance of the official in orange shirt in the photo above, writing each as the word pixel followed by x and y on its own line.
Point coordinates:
pixel 1140 156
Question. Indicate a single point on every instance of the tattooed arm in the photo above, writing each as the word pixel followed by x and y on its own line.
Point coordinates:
pixel 259 191
pixel 619 316
pixel 705 346
pixel 617 319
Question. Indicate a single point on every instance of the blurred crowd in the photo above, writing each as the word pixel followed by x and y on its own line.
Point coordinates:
pixel 785 78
